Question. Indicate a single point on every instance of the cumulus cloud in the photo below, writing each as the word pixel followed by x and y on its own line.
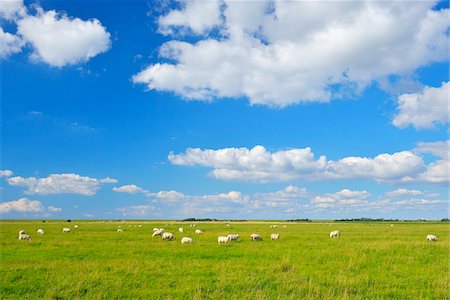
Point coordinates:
pixel 437 171
pixel 60 184
pixel 55 38
pixel 279 53
pixel 6 173
pixel 22 205
pixel 425 109
pixel 259 165
pixel 403 192
pixel 129 189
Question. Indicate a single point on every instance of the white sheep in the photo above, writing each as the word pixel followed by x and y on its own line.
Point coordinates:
pixel 274 236
pixel 273 226
pixel 255 237
pixel 65 229
pixel 168 236
pixel 186 240
pixel 75 226
pixel 431 238
pixel 335 233
pixel 233 237
pixel 40 231
pixel 22 232
pixel 198 231
pixel 181 229
pixel 284 226
pixel 158 232
pixel 193 225
pixel 24 236
pixel 223 239
pixel 140 226
pixel 155 229
pixel 119 230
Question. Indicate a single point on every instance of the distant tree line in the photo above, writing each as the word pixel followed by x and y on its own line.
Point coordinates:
pixel 445 220
pixel 384 220
pixel 299 220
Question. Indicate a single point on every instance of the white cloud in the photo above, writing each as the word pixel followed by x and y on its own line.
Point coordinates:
pixel 425 109
pixel 6 173
pixel 197 16
pixel 129 189
pixel 54 209
pixel 438 171
pixel 59 40
pixel 9 44
pixel 11 10
pixel 403 192
pixel 439 149
pixel 259 165
pixel 60 184
pixel 285 52
pixel 21 205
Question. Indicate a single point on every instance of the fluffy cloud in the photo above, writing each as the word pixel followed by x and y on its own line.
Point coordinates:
pixel 279 53
pixel 6 173
pixel 60 184
pixel 424 109
pixel 22 205
pixel 259 165
pixel 129 189
pixel 438 171
pixel 9 44
pixel 56 39
pixel 54 209
pixel 403 193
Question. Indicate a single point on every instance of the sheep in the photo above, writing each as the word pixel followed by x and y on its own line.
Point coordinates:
pixel 198 231
pixel 255 237
pixel 431 238
pixel 155 229
pixel 392 225
pixel 274 236
pixel 158 232
pixel 66 230
pixel 284 226
pixel 181 229
pixel 223 239
pixel 119 230
pixel 190 225
pixel 193 225
pixel 40 231
pixel 168 236
pixel 228 225
pixel 140 226
pixel 186 240
pixel 233 237
pixel 24 236
pixel 335 233
pixel 273 226
pixel 75 226
pixel 22 232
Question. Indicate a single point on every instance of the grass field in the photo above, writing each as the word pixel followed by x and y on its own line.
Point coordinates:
pixel 94 261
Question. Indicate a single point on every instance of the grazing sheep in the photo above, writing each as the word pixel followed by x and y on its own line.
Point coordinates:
pixel 168 236
pixel 40 231
pixel 198 231
pixel 186 240
pixel 140 226
pixel 284 226
pixel 22 232
pixel 193 225
pixel 75 226
pixel 66 229
pixel 119 230
pixel 181 229
pixel 155 229
pixel 273 226
pixel 223 239
pixel 233 237
pixel 190 225
pixel 255 237
pixel 24 236
pixel 431 238
pixel 335 233
pixel 228 225
pixel 392 225
pixel 160 231
pixel 274 236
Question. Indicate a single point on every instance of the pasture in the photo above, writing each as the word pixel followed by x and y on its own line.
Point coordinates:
pixel 94 261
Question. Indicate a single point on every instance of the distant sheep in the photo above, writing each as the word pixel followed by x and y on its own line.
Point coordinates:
pixel 255 237
pixel 168 236
pixel 186 240
pixel 181 229
pixel 22 232
pixel 335 233
pixel 273 226
pixel 119 230
pixel 228 225
pixel 66 229
pixel 392 225
pixel 198 231
pixel 233 237
pixel 431 238
pixel 40 231
pixel 75 226
pixel 140 226
pixel 193 225
pixel 274 236
pixel 24 236
pixel 223 239
pixel 160 231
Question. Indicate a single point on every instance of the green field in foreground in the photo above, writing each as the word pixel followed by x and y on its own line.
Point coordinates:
pixel 94 261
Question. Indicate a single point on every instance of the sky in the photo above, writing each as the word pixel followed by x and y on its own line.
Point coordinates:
pixel 224 109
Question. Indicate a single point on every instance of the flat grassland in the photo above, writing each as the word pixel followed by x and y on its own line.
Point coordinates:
pixel 375 261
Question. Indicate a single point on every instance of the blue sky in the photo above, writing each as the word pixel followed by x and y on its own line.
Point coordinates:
pixel 256 110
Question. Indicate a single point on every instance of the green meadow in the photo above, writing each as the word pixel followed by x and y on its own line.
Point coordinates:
pixel 375 261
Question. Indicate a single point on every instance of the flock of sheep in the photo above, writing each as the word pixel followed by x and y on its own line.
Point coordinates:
pixel 187 240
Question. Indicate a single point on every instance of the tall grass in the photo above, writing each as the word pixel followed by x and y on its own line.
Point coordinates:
pixel 94 261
